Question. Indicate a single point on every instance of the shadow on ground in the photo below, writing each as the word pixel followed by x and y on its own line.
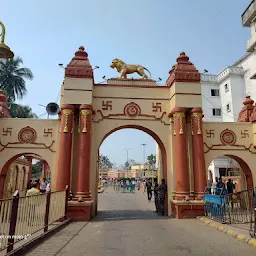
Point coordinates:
pixel 116 215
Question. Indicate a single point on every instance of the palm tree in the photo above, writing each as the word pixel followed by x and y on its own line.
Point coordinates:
pixel 104 162
pixel 151 161
pixel 21 111
pixel 12 78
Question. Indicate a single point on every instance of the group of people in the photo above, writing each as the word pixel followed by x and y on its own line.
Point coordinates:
pixel 36 187
pixel 160 192
pixel 218 186
pixel 125 185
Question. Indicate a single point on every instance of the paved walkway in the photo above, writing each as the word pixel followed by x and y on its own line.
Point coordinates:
pixel 127 226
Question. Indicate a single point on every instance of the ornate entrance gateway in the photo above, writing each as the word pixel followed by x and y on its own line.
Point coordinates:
pixel 171 114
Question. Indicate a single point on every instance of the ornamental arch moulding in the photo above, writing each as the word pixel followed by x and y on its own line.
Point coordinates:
pixel 234 140
pixel 89 111
pixel 39 138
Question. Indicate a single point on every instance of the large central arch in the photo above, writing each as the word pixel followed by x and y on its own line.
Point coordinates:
pixel 163 158
pixel 149 132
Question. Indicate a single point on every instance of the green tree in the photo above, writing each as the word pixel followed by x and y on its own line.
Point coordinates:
pixel 151 161
pixel 37 169
pixel 128 165
pixel 104 163
pixel 20 111
pixel 12 78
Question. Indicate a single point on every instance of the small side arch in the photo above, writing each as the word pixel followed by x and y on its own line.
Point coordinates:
pixel 240 160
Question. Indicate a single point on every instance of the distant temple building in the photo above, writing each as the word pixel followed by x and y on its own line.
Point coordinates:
pixel 138 171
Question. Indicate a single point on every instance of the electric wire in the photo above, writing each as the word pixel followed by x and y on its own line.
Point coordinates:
pixel 217 106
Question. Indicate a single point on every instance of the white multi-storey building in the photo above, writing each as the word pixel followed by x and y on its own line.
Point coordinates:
pixel 223 94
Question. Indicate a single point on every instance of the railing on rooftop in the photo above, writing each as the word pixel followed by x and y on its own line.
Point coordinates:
pixel 232 208
pixel 21 217
pixel 249 14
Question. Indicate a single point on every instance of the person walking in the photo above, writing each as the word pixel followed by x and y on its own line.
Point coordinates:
pixel 161 197
pixel 214 185
pixel 118 186
pixel 149 190
pixel 230 189
pixel 114 185
pixel 230 186
pixel 144 186
pixel 155 189
pixel 43 186
pixel 48 187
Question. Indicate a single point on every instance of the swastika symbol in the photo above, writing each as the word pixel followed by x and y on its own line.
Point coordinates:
pixel 107 105
pixel 7 131
pixel 48 132
pixel 157 107
pixel 210 134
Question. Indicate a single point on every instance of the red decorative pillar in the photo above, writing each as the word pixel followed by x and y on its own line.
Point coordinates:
pixel 65 146
pixel 29 160
pixel 198 152
pixel 2 178
pixel 180 153
pixel 84 152
pixel 43 169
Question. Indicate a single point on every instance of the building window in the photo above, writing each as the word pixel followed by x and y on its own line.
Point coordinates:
pixel 216 111
pixel 228 108
pixel 226 87
pixel 215 92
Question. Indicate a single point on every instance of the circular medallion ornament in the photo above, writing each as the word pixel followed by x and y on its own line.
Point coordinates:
pixel 228 137
pixel 132 109
pixel 27 135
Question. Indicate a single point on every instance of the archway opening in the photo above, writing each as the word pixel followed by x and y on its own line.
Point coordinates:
pixel 128 157
pixel 19 170
pixel 231 167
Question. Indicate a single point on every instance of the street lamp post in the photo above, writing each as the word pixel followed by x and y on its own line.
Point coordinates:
pixel 5 52
pixel 144 145
pixel 127 158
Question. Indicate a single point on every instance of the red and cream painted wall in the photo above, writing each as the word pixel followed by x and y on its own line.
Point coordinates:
pixel 171 114
pixel 16 178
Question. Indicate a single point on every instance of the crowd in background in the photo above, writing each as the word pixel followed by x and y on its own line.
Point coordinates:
pixel 37 187
pixel 219 187
pixel 145 185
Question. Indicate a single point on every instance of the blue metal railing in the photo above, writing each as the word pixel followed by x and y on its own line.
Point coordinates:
pixel 229 208
pixel 216 205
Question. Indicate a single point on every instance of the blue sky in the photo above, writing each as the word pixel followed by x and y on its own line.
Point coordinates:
pixel 148 32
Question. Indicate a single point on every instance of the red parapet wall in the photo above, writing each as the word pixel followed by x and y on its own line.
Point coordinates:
pixel 187 211
pixel 81 212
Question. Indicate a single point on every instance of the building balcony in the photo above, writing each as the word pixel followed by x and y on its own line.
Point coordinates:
pixel 250 45
pixel 249 14
pixel 227 72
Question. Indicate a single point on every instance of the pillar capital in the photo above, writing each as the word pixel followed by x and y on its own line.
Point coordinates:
pixel 67 106
pixel 196 110
pixel 178 111
pixel 196 115
pixel 85 118
pixel 67 111
pixel 178 114
pixel 86 106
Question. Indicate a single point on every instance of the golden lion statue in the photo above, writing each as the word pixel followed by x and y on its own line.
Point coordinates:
pixel 125 69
